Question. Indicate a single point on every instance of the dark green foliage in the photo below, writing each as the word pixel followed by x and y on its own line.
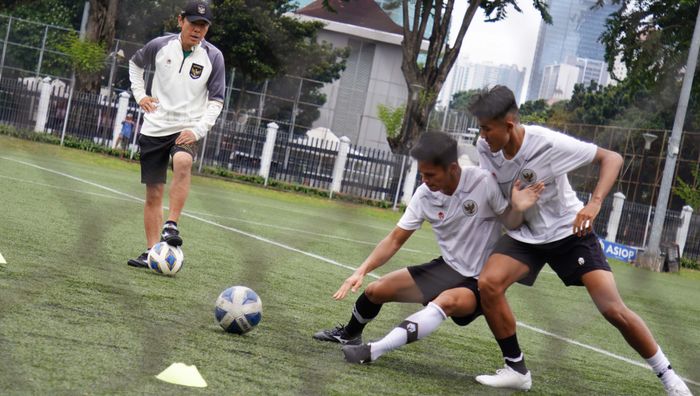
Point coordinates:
pixel 690 192
pixel 690 264
pixel 460 100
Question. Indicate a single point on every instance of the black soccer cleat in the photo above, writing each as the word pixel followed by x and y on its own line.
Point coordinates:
pixel 339 335
pixel 171 235
pixel 139 262
pixel 357 353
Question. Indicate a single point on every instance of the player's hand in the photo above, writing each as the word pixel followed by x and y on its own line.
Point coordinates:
pixel 583 224
pixel 524 199
pixel 353 283
pixel 186 137
pixel 149 104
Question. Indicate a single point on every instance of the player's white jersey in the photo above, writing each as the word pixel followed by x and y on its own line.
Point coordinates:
pixel 547 156
pixel 465 223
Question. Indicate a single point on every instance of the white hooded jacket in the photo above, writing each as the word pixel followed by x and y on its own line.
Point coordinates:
pixel 190 90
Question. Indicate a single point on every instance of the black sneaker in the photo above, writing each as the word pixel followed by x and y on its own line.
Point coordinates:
pixel 171 235
pixel 339 335
pixel 139 262
pixel 357 353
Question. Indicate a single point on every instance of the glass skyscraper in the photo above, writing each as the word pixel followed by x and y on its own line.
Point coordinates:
pixel 574 32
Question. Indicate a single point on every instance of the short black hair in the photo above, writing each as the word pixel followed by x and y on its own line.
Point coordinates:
pixel 437 148
pixel 494 103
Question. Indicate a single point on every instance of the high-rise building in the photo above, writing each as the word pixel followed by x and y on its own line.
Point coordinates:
pixel 575 30
pixel 465 76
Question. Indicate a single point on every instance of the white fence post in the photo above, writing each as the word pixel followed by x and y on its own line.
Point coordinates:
pixel 339 165
pixel 409 183
pixel 122 108
pixel 614 221
pixel 43 111
pixel 268 149
pixel 682 232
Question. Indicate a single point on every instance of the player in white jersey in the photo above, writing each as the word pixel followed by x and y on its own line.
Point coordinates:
pixel 557 230
pixel 463 206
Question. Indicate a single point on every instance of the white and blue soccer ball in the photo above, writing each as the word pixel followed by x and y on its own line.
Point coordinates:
pixel 165 259
pixel 238 309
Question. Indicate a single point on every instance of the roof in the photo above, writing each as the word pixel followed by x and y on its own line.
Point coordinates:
pixel 363 13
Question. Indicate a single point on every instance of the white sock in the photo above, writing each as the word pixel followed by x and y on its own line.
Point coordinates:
pixel 415 327
pixel 662 368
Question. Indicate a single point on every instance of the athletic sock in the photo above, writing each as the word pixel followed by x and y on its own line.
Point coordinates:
pixel 174 223
pixel 415 327
pixel 662 368
pixel 363 312
pixel 511 353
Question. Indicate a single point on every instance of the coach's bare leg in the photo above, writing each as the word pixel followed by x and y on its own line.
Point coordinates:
pixel 153 212
pixel 396 286
pixel 498 274
pixel 180 188
pixel 603 290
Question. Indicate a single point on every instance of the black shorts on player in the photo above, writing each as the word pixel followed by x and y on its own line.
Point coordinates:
pixel 435 277
pixel 570 258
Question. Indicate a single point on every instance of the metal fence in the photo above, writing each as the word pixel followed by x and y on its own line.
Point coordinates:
pixel 232 145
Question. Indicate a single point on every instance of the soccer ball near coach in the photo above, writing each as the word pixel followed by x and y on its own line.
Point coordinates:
pixel 165 259
pixel 238 309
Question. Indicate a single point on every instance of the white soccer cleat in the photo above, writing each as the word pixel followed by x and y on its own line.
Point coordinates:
pixel 678 389
pixel 507 378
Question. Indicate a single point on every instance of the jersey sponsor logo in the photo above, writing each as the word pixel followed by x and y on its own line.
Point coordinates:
pixel 196 71
pixel 528 175
pixel 470 207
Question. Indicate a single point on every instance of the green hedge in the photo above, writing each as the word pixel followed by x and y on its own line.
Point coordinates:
pixel 68 141
pixel 689 263
pixel 89 145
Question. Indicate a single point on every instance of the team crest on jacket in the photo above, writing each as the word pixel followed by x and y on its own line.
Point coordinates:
pixel 196 71
pixel 470 207
pixel 528 175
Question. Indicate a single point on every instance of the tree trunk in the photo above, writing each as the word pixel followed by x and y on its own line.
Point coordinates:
pixel 425 81
pixel 100 29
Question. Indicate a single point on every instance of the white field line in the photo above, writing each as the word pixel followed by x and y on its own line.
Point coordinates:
pixel 302 231
pixel 132 199
pixel 2 259
pixel 333 262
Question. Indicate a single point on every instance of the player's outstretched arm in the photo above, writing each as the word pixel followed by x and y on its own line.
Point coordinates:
pixel 610 164
pixel 520 201
pixel 384 250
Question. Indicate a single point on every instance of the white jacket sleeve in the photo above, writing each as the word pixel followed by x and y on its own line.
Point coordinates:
pixel 209 119
pixel 138 84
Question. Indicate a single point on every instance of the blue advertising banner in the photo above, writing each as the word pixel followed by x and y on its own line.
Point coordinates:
pixel 618 251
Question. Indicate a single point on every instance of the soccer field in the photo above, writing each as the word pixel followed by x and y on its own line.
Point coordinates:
pixel 75 319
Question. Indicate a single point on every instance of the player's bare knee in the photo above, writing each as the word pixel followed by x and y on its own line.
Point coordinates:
pixel 375 293
pixel 448 304
pixel 490 286
pixel 616 314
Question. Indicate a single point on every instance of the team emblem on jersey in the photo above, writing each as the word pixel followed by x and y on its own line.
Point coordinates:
pixel 529 175
pixel 196 71
pixel 441 215
pixel 470 207
pixel 200 9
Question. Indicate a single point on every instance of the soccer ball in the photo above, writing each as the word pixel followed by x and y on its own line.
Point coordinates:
pixel 165 259
pixel 238 309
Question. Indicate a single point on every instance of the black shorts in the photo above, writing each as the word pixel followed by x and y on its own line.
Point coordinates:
pixel 155 156
pixel 570 257
pixel 436 276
